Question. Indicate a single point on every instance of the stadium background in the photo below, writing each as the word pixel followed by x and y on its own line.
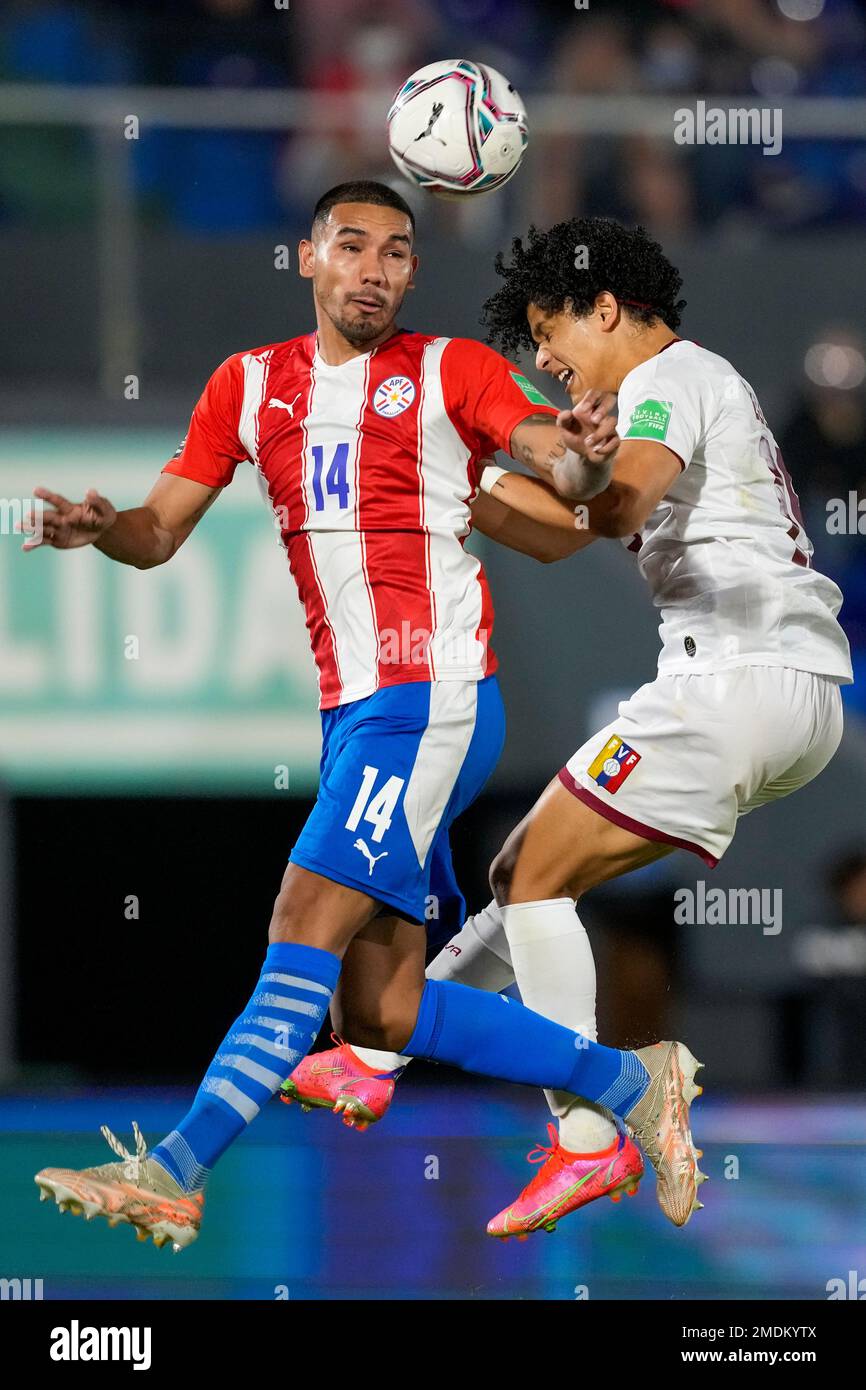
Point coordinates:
pixel 149 795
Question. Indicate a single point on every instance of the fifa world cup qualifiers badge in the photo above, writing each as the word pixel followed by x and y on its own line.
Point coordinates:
pixel 649 420
pixel 613 764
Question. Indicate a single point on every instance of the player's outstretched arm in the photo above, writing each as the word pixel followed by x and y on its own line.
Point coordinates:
pixel 642 474
pixel 142 536
pixel 575 450
pixel 527 515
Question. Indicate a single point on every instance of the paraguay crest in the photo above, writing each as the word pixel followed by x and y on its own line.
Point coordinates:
pixel 394 396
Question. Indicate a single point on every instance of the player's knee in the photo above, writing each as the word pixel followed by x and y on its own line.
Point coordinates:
pixel 502 873
pixel 513 878
pixel 313 911
pixel 283 918
pixel 294 916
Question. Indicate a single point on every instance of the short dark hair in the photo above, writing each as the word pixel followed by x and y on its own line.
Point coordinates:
pixel 361 191
pixel 546 270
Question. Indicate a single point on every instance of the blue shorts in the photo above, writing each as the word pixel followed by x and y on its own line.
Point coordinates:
pixel 397 768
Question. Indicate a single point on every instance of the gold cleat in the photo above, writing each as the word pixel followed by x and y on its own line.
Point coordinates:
pixel 136 1192
pixel 660 1123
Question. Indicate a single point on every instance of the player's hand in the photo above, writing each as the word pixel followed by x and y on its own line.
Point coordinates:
pixel 66 525
pixel 588 428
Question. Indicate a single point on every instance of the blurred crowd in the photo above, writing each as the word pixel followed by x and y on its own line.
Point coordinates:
pixel 228 181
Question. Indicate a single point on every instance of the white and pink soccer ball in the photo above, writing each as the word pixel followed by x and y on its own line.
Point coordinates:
pixel 457 127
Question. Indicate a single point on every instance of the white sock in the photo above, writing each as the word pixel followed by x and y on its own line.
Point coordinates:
pixel 380 1061
pixel 555 973
pixel 477 956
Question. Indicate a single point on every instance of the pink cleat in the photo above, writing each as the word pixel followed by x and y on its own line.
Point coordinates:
pixel 340 1081
pixel 567 1181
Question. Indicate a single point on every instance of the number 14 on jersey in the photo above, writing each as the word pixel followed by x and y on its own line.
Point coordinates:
pixel 331 479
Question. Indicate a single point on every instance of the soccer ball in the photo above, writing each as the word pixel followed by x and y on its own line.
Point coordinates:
pixel 457 127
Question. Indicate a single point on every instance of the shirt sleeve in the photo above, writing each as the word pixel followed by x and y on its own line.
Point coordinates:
pixel 486 396
pixel 664 404
pixel 212 450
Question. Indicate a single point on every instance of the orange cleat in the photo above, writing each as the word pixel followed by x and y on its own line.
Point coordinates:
pixel 567 1181
pixel 338 1080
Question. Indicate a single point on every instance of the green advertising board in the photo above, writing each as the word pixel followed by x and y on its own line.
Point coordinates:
pixel 194 675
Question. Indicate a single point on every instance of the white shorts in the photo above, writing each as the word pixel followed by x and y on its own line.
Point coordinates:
pixel 687 755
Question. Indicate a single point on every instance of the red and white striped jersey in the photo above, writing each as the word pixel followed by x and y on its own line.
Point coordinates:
pixel 370 468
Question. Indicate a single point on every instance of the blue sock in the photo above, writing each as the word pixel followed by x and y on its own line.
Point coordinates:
pixel 495 1036
pixel 259 1052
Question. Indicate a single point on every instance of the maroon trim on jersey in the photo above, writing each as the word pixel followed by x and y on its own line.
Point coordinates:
pixel 798 556
pixel 636 827
pixel 786 493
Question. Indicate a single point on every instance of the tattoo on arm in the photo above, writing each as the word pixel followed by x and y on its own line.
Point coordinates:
pixel 537 453
pixel 539 443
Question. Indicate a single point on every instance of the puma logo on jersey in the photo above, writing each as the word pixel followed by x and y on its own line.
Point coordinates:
pixel 276 404
pixel 371 859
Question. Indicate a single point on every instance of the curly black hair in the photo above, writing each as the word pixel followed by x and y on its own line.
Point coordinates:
pixel 548 270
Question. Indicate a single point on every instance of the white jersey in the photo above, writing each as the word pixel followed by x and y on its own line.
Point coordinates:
pixel 725 552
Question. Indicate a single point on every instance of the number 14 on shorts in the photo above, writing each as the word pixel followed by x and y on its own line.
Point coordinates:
pixel 376 807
